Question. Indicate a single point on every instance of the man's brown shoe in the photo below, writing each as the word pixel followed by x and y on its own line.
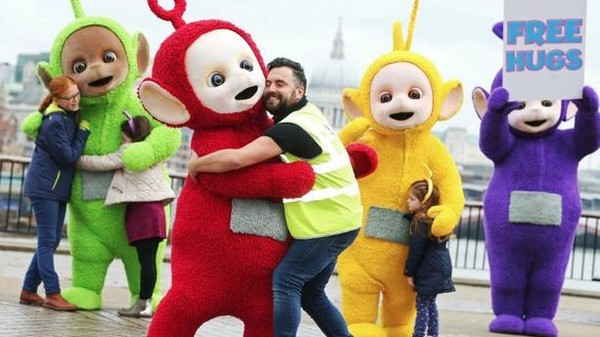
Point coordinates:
pixel 30 298
pixel 57 302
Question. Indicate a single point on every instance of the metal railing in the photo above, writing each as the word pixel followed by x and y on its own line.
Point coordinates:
pixel 15 209
pixel 467 249
pixel 16 215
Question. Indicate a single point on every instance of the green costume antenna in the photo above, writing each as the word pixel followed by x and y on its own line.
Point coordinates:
pixel 77 9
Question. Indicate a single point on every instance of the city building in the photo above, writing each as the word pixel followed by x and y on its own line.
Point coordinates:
pixel 329 79
pixel 24 61
pixel 463 147
pixel 20 93
pixel 9 139
pixel 7 73
pixel 31 91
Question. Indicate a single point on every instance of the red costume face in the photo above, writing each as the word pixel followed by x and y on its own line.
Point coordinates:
pixel 207 73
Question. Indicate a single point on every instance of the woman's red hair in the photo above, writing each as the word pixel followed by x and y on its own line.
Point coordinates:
pixel 57 88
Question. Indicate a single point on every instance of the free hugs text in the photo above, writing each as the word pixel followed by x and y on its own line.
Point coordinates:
pixel 544 34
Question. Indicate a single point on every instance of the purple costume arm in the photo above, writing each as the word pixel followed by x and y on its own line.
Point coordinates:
pixel 587 123
pixel 495 138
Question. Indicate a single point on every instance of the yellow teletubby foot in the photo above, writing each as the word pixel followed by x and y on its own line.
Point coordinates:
pixel 366 330
pixel 399 331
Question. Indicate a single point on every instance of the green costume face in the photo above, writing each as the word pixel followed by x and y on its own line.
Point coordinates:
pixel 100 56
pixel 105 61
pixel 95 58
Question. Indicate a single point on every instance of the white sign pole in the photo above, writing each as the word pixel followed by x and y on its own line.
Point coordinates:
pixel 544 49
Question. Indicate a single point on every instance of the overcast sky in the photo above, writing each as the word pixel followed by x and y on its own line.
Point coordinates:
pixel 455 34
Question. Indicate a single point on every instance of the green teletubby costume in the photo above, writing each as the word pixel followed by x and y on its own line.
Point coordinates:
pixel 105 61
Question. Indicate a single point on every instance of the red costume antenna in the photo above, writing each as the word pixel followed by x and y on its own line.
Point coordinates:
pixel 174 15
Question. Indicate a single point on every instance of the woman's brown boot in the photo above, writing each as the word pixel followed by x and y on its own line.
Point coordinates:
pixel 57 302
pixel 30 298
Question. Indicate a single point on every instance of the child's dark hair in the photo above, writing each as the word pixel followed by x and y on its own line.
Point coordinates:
pixel 421 223
pixel 141 128
pixel 420 188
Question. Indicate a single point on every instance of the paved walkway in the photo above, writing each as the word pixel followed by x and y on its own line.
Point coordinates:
pixel 464 313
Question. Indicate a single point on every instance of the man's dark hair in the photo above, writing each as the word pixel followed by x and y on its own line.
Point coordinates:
pixel 295 66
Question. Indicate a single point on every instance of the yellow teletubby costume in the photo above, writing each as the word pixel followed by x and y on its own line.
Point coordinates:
pixel 400 98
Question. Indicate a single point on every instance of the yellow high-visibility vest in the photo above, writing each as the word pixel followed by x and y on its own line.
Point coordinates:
pixel 333 205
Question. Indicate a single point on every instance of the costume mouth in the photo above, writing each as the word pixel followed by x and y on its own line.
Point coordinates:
pixel 536 123
pixel 101 82
pixel 247 93
pixel 401 116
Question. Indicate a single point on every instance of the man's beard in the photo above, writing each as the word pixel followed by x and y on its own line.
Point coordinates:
pixel 278 108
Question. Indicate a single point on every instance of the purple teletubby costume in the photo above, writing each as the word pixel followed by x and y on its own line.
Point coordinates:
pixel 532 204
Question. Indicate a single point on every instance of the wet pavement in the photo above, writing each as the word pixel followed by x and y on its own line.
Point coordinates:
pixel 464 313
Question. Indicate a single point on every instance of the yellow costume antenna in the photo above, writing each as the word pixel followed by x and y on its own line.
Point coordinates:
pixel 397 36
pixel 399 43
pixel 411 24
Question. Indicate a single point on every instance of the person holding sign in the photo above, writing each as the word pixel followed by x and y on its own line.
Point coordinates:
pixel 532 204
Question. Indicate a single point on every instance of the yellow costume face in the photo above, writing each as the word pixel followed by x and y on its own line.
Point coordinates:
pixel 402 90
pixel 401 102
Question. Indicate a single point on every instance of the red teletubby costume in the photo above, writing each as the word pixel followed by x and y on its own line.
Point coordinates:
pixel 227 238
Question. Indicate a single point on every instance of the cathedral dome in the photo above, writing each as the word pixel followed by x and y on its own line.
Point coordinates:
pixel 336 72
pixel 329 80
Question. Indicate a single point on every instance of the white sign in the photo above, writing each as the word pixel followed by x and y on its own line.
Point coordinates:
pixel 544 49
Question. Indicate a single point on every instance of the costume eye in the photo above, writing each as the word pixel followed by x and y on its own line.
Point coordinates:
pixel 215 79
pixel 246 64
pixel 415 94
pixel 521 106
pixel 385 97
pixel 79 67
pixel 547 103
pixel 109 57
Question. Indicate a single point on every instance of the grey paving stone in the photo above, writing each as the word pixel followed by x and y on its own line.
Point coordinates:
pixel 464 313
